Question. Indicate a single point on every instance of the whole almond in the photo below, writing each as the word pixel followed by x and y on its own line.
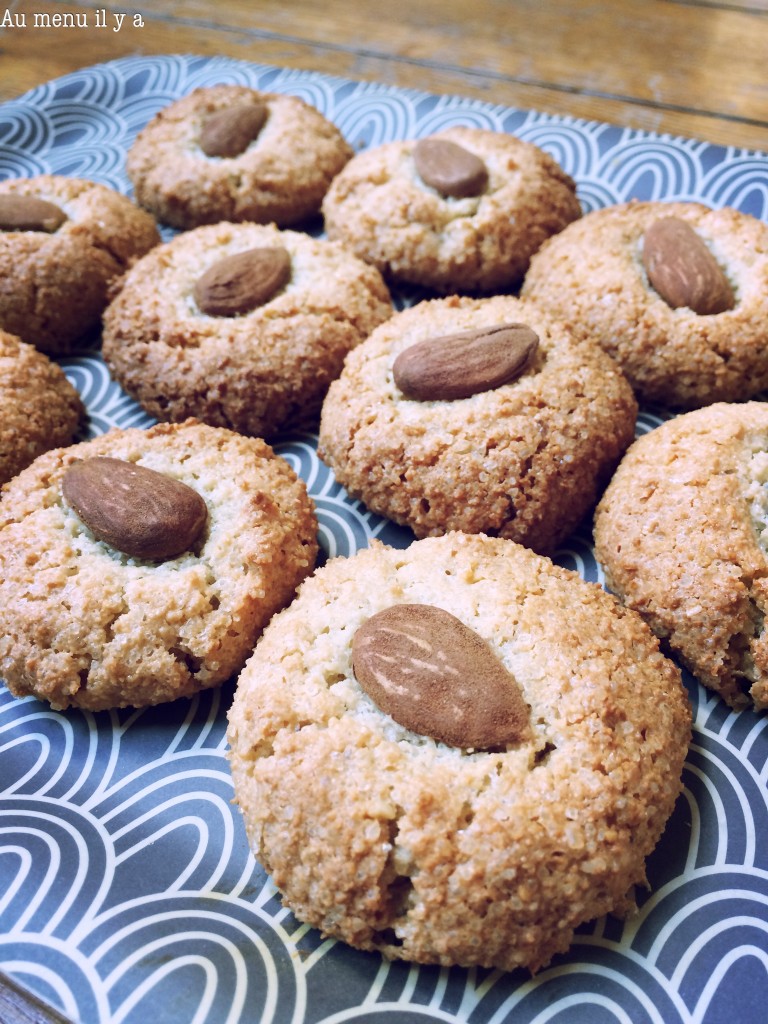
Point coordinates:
pixel 437 677
pixel 449 168
pixel 238 284
pixel 137 510
pixel 28 213
pixel 229 132
pixel 683 270
pixel 454 366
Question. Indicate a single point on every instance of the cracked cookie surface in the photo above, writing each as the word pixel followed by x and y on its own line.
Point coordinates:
pixel 280 177
pixel 526 460
pixel 592 277
pixel 256 372
pixel 681 534
pixel 54 285
pixel 396 842
pixel 40 408
pixel 379 206
pixel 82 624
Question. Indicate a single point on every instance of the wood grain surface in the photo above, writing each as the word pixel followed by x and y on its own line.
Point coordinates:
pixel 694 68
pixel 20 1007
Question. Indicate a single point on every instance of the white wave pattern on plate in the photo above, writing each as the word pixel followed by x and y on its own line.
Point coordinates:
pixel 575 150
pixel 23 127
pixel 741 182
pixel 366 124
pixel 654 169
pixel 126 884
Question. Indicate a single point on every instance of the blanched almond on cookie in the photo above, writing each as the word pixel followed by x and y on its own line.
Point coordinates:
pixel 29 213
pixel 437 677
pixel 137 510
pixel 683 270
pixel 239 283
pixel 229 132
pixel 458 365
pixel 449 168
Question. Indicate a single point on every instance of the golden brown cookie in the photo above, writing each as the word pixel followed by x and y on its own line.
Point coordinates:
pixel 526 459
pixel 40 408
pixel 398 842
pixel 240 325
pixel 597 276
pixel 62 242
pixel 682 534
pixel 228 152
pixel 404 216
pixel 94 615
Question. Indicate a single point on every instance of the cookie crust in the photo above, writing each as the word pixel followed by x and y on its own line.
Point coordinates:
pixel 255 373
pixel 681 534
pixel 591 275
pixel 40 408
pixel 83 625
pixel 281 177
pixel 380 208
pixel 525 461
pixel 396 843
pixel 54 287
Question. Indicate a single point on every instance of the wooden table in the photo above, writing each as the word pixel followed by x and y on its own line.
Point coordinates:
pixel 695 68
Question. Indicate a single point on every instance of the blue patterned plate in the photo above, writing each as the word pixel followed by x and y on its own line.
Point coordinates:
pixel 127 891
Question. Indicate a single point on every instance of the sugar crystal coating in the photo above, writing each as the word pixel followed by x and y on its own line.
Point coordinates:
pixel 396 843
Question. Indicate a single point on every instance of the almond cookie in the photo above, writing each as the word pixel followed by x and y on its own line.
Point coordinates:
pixel 62 242
pixel 143 565
pixel 228 152
pixel 523 454
pixel 676 292
pixel 240 325
pixel 41 409
pixel 682 534
pixel 486 846
pixel 460 211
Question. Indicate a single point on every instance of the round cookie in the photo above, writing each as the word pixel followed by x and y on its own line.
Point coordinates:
pixel 229 152
pixel 595 277
pixel 682 534
pixel 384 210
pixel 62 242
pixel 256 370
pixel 525 460
pixel 393 841
pixel 83 623
pixel 41 409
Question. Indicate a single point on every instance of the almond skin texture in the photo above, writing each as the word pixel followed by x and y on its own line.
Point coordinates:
pixel 28 213
pixel 437 677
pixel 143 513
pixel 229 132
pixel 237 284
pixel 449 168
pixel 466 363
pixel 683 270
